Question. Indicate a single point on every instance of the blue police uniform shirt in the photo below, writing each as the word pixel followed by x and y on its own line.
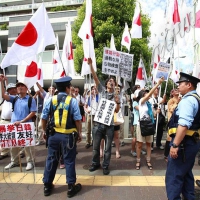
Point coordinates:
pixel 73 106
pixel 187 109
pixel 21 109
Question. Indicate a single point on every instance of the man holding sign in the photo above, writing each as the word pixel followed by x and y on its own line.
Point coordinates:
pixel 103 127
pixel 21 114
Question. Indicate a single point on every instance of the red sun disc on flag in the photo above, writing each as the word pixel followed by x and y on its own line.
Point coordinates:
pixel 28 36
pixel 126 39
pixel 139 74
pixel 39 72
pixel 31 70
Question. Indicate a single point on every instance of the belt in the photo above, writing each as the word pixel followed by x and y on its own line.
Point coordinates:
pixel 6 119
pixel 172 131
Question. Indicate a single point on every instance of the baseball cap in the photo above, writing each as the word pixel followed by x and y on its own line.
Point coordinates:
pixel 10 85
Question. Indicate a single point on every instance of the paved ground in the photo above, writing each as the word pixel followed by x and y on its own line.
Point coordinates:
pixel 124 182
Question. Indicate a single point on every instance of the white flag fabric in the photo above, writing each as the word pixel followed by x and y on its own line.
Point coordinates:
pixel 197 23
pixel 156 61
pixel 30 76
pixel 36 35
pixel 176 17
pixel 0 50
pixel 126 38
pixel 67 54
pixel 125 85
pixel 86 34
pixel 175 72
pixel 141 77
pixel 56 58
pixel 112 43
pixel 196 73
pixel 136 30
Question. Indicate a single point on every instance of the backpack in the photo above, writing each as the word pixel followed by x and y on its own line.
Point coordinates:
pixel 29 106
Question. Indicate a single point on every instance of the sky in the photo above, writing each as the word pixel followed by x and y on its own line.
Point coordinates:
pixel 156 10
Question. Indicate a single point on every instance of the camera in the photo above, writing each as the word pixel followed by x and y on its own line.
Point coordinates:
pixel 155 105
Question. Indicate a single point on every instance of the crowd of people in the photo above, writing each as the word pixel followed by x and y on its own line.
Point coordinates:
pixel 62 110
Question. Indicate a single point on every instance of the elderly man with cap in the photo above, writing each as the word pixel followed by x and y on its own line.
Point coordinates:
pixel 63 114
pixel 6 114
pixel 21 114
pixel 184 128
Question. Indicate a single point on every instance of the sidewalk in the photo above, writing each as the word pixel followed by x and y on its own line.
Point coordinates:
pixel 124 182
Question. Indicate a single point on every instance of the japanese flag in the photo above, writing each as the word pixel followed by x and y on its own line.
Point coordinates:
pixel 175 72
pixel 126 38
pixel 156 61
pixel 56 58
pixel 36 35
pixel 67 54
pixel 39 75
pixel 141 77
pixel 197 23
pixel 112 43
pixel 30 75
pixel 87 35
pixel 136 30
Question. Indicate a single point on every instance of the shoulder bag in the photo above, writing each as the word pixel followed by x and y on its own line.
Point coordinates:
pixel 147 127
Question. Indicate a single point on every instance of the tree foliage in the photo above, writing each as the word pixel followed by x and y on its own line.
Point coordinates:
pixel 109 17
pixel 61 8
pixel 4 27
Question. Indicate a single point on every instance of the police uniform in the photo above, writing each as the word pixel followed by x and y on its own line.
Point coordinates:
pixel 179 178
pixel 64 111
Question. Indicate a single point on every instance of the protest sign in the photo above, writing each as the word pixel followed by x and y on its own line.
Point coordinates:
pixel 117 63
pixel 163 70
pixel 105 111
pixel 22 135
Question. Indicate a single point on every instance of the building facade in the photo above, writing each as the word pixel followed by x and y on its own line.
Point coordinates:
pixel 14 15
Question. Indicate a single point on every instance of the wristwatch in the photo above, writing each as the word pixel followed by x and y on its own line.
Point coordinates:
pixel 174 145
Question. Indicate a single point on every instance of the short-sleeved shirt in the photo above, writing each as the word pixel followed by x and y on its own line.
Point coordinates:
pixel 6 112
pixel 153 101
pixel 74 109
pixel 107 95
pixel 136 113
pixel 143 111
pixel 21 109
pixel 187 109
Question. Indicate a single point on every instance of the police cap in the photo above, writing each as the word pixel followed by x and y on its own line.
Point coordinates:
pixel 63 81
pixel 188 78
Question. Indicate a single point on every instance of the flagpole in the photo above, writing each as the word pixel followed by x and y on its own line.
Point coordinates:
pixel 168 74
pixel 91 102
pixel 32 6
pixel 157 113
pixel 52 73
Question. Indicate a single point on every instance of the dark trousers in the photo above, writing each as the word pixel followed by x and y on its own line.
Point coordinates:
pixel 179 178
pixel 68 148
pixel 99 132
pixel 159 135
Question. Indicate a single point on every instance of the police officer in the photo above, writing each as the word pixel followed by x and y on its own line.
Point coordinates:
pixel 64 115
pixel 184 128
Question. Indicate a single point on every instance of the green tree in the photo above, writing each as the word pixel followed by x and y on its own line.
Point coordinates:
pixel 109 17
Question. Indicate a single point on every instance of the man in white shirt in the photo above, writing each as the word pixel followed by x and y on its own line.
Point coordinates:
pixel 6 115
pixel 80 100
pixel 90 108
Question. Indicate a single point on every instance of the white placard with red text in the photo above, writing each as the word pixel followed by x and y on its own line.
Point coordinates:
pixel 22 135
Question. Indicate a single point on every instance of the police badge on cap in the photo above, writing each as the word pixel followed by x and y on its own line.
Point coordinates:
pixel 188 78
